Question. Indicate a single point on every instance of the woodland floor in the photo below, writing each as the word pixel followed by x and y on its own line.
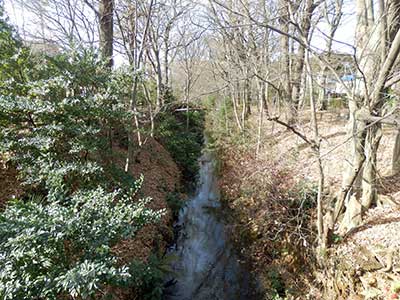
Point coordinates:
pixel 292 151
pixel 380 230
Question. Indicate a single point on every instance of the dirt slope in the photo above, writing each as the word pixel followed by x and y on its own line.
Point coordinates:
pixel 161 177
pixel 282 150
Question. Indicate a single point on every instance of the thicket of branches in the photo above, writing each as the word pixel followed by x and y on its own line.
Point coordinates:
pixel 269 60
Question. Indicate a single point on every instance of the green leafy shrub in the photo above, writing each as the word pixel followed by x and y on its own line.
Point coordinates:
pixel 15 63
pixel 65 249
pixel 56 127
pixel 149 278
pixel 277 283
pixel 56 115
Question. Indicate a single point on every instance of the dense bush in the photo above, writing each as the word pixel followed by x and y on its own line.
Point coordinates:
pixel 182 134
pixel 54 249
pixel 56 119
pixel 175 203
pixel 55 127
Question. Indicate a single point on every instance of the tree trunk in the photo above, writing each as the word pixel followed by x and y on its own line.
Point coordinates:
pixel 284 45
pixel 317 147
pixel 350 194
pixel 369 178
pixel 235 108
pixel 159 80
pixel 248 97
pixel 263 89
pixel 106 11
pixel 396 155
pixel 299 67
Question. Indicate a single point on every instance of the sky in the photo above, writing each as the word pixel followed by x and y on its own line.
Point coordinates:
pixel 345 32
pixel 22 19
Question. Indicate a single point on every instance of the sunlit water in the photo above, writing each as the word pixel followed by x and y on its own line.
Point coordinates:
pixel 206 267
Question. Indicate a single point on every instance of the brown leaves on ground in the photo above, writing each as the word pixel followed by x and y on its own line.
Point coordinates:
pixel 255 186
pixel 270 220
pixel 161 177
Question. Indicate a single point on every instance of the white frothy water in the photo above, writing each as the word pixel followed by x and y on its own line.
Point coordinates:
pixel 206 267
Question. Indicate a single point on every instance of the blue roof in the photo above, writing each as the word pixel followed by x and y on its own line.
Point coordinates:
pixel 348 77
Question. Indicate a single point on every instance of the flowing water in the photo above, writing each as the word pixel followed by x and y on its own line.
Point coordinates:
pixel 206 267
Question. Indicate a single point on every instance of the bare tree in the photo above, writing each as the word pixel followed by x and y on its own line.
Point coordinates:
pixel 134 21
pixel 164 40
pixel 333 12
pixel 106 12
pixel 376 59
pixel 190 59
pixel 67 23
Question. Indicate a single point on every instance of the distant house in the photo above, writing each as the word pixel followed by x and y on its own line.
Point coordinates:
pixel 348 80
pixel 343 64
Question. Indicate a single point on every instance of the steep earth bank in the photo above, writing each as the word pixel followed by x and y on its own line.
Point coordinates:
pixel 162 177
pixel 270 199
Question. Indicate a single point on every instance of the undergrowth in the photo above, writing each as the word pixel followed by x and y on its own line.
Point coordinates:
pixel 182 134
pixel 271 212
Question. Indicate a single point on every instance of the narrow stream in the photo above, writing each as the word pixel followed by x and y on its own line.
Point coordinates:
pixel 206 267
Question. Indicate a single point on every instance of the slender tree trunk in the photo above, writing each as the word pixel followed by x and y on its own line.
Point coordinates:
pixel 244 107
pixel 260 123
pixel 322 96
pixel 159 81
pixel 396 154
pixel 166 60
pixel 235 109
pixel 136 57
pixel 333 24
pixel 151 112
pixel 248 97
pixel 187 96
pixel 296 84
pixel 106 11
pixel 299 67
pixel 262 103
pixel 317 146
pixel 284 45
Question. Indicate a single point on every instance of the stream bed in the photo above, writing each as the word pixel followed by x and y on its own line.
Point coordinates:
pixel 206 267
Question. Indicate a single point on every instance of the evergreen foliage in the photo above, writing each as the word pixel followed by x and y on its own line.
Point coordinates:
pixel 55 125
pixel 54 249
pixel 56 115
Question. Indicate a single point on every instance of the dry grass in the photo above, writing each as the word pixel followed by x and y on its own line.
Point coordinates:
pixel 282 150
pixel 283 146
